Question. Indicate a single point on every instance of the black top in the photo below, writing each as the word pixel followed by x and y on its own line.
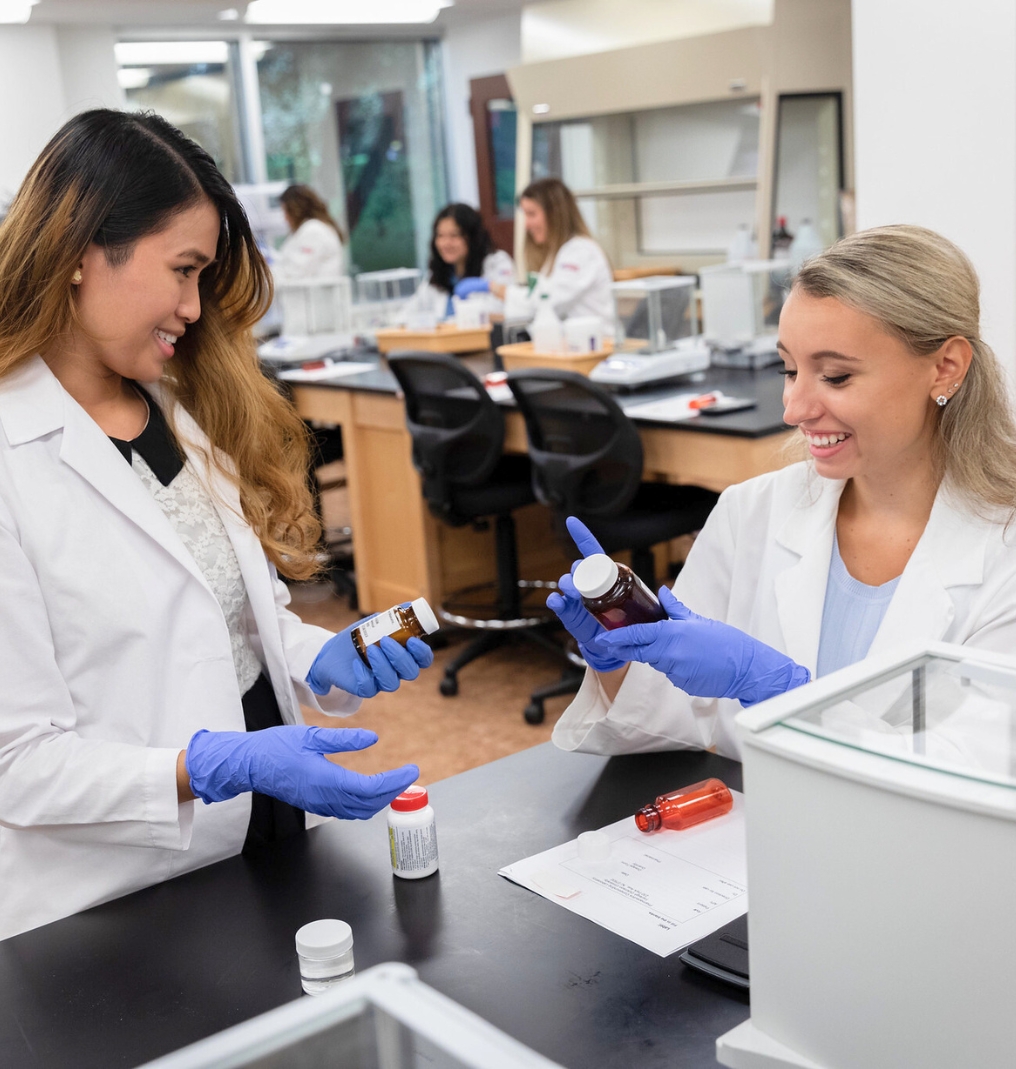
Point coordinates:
pixel 155 443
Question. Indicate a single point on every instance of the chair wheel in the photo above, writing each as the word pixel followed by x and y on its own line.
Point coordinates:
pixel 449 686
pixel 534 713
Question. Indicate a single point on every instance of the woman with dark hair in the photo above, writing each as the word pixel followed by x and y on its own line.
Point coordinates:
pixel 152 485
pixel 314 246
pixel 574 272
pixel 463 260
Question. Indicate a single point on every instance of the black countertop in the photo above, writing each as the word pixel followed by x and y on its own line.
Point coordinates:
pixel 765 387
pixel 135 978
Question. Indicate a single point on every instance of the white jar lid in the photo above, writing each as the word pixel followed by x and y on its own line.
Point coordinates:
pixel 324 939
pixel 595 575
pixel 425 614
pixel 594 846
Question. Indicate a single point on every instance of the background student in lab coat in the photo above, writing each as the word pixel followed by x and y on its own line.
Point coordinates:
pixel 572 267
pixel 898 528
pixel 152 487
pixel 315 246
pixel 463 260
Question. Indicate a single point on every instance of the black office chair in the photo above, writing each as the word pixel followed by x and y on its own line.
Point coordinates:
pixel 458 449
pixel 587 462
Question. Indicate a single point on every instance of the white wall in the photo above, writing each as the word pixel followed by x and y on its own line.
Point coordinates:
pixel 472 49
pixel 88 62
pixel 935 134
pixel 48 74
pixel 31 99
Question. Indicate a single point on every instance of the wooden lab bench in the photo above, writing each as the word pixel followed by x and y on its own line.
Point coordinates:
pixel 403 552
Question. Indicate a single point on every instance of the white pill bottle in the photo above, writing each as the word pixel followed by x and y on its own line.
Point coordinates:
pixel 412 834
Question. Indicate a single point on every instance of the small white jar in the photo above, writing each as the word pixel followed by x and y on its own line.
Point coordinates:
pixel 325 950
pixel 412 834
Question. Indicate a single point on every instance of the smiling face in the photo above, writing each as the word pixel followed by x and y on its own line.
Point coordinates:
pixel 863 400
pixel 131 315
pixel 536 220
pixel 450 243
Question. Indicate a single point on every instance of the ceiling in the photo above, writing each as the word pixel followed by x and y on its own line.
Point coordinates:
pixel 176 15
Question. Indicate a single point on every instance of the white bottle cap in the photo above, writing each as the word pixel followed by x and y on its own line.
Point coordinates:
pixel 321 940
pixel 595 575
pixel 425 614
pixel 594 846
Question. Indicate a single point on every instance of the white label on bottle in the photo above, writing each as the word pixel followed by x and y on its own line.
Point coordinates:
pixel 413 849
pixel 652 596
pixel 375 629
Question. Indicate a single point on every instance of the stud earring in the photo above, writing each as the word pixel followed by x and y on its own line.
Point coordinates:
pixel 941 400
pixel 76 277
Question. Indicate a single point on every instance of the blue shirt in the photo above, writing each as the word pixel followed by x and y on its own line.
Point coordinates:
pixel 851 616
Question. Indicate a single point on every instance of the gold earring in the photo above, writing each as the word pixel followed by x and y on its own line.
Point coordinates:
pixel 76 277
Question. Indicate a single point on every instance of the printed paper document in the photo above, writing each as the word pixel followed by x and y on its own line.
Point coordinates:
pixel 663 890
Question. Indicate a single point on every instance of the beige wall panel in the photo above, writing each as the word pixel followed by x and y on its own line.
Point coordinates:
pixel 647 76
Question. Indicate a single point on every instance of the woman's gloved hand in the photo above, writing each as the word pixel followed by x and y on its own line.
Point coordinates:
pixel 339 665
pixel 706 658
pixel 567 605
pixel 465 286
pixel 289 763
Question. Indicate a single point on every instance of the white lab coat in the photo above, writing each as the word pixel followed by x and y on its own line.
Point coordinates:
pixel 579 282
pixel 312 251
pixel 497 268
pixel 761 564
pixel 113 652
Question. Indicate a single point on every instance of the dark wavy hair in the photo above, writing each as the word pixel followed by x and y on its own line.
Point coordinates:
pixel 111 178
pixel 480 244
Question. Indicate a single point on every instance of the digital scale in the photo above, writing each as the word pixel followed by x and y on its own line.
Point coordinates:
pixel 656 334
pixel 638 369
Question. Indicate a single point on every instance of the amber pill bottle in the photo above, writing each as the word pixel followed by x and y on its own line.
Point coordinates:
pixel 690 805
pixel 614 594
pixel 401 622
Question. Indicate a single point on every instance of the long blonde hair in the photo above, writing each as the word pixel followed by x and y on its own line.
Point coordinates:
pixel 109 178
pixel 923 290
pixel 564 221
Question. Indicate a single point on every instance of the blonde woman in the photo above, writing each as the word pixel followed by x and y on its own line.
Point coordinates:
pixel 314 248
pixel 151 488
pixel 573 270
pixel 898 528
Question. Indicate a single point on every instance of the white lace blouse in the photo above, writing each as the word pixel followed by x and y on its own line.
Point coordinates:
pixel 189 508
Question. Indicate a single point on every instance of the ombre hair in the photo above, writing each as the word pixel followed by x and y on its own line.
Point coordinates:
pixel 564 221
pixel 110 178
pixel 923 290
pixel 302 203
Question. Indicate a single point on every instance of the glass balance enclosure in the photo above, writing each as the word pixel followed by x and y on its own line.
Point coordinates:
pixel 956 714
pixel 653 314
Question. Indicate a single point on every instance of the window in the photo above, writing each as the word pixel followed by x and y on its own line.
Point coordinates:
pixel 360 122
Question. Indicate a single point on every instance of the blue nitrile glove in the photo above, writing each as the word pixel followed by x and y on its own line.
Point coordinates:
pixel 289 763
pixel 567 604
pixel 339 665
pixel 465 286
pixel 706 658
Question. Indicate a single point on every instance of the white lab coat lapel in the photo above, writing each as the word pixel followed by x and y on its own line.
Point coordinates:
pixel 949 553
pixel 800 588
pixel 40 405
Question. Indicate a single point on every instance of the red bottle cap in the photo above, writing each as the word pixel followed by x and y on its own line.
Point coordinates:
pixel 410 799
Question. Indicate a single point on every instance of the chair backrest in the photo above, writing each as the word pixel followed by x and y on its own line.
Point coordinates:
pixel 586 453
pixel 457 430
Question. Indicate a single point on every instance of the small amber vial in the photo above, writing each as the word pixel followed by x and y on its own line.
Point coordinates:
pixel 401 622
pixel 614 594
pixel 686 807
